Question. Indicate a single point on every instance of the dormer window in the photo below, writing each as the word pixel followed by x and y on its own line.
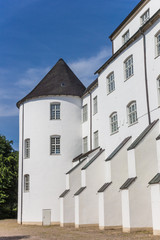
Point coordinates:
pixel 125 37
pixel 145 17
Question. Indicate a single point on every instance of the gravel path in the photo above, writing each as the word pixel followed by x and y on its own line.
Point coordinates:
pixel 10 230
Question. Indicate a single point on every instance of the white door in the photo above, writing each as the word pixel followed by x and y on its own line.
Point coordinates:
pixel 46 217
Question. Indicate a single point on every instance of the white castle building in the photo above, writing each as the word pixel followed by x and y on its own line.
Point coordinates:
pixel 92 155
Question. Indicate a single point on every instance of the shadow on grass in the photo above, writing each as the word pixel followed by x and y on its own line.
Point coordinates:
pixel 14 237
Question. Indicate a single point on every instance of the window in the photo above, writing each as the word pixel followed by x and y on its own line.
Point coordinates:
pixel 128 65
pixel 95 107
pixel 85 113
pixel 145 17
pixel 27 148
pixel 85 144
pixel 114 122
pixel 110 83
pixel 26 183
pixel 132 113
pixel 125 37
pixel 55 111
pixel 96 144
pixel 158 89
pixel 55 144
pixel 157 38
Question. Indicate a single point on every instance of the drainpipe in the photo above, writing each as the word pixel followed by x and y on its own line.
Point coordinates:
pixel 22 162
pixel 90 94
pixel 146 78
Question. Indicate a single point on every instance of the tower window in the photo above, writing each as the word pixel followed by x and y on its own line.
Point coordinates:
pixel 27 148
pixel 55 111
pixel 55 144
pixel 26 183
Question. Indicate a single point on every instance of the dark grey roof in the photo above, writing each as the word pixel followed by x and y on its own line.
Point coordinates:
pixel 127 18
pixel 79 191
pixel 83 155
pixel 156 179
pixel 142 135
pixel 141 30
pixel 91 86
pixel 93 159
pixel 60 80
pixel 158 138
pixel 104 187
pixel 72 169
pixel 128 183
pixel 64 193
pixel 118 149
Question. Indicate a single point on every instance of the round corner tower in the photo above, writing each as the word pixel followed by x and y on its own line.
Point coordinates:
pixel 49 138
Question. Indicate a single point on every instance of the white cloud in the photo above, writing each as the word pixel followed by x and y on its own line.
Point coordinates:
pixel 31 77
pixel 86 67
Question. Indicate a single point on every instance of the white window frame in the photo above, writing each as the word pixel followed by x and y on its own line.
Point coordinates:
pixel 132 113
pixel 85 113
pixel 145 17
pixel 95 105
pixel 114 122
pixel 55 145
pixel 85 144
pixel 126 36
pixel 110 83
pixel 27 148
pixel 55 111
pixel 26 183
pixel 157 43
pixel 96 139
pixel 128 67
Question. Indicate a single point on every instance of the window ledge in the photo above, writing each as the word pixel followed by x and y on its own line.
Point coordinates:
pixel 128 78
pixel 108 93
pixel 114 133
pixel 133 124
pixel 55 154
pixel 157 56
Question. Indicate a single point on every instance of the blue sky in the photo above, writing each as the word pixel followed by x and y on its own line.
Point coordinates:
pixel 36 33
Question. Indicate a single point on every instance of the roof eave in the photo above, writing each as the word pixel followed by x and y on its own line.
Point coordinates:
pixel 138 7
pixel 141 30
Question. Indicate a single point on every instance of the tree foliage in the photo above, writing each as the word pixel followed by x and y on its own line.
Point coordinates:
pixel 8 178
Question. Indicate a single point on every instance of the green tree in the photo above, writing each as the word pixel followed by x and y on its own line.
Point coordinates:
pixel 8 179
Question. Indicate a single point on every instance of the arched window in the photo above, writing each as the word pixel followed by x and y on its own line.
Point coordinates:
pixel 128 67
pixel 114 122
pixel 110 83
pixel 157 42
pixel 26 183
pixel 132 112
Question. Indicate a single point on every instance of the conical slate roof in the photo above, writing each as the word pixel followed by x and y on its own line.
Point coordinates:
pixel 60 80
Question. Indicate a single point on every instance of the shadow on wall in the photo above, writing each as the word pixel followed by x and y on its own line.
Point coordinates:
pixel 14 237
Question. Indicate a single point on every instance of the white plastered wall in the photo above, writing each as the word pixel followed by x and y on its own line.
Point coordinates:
pixel 47 172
